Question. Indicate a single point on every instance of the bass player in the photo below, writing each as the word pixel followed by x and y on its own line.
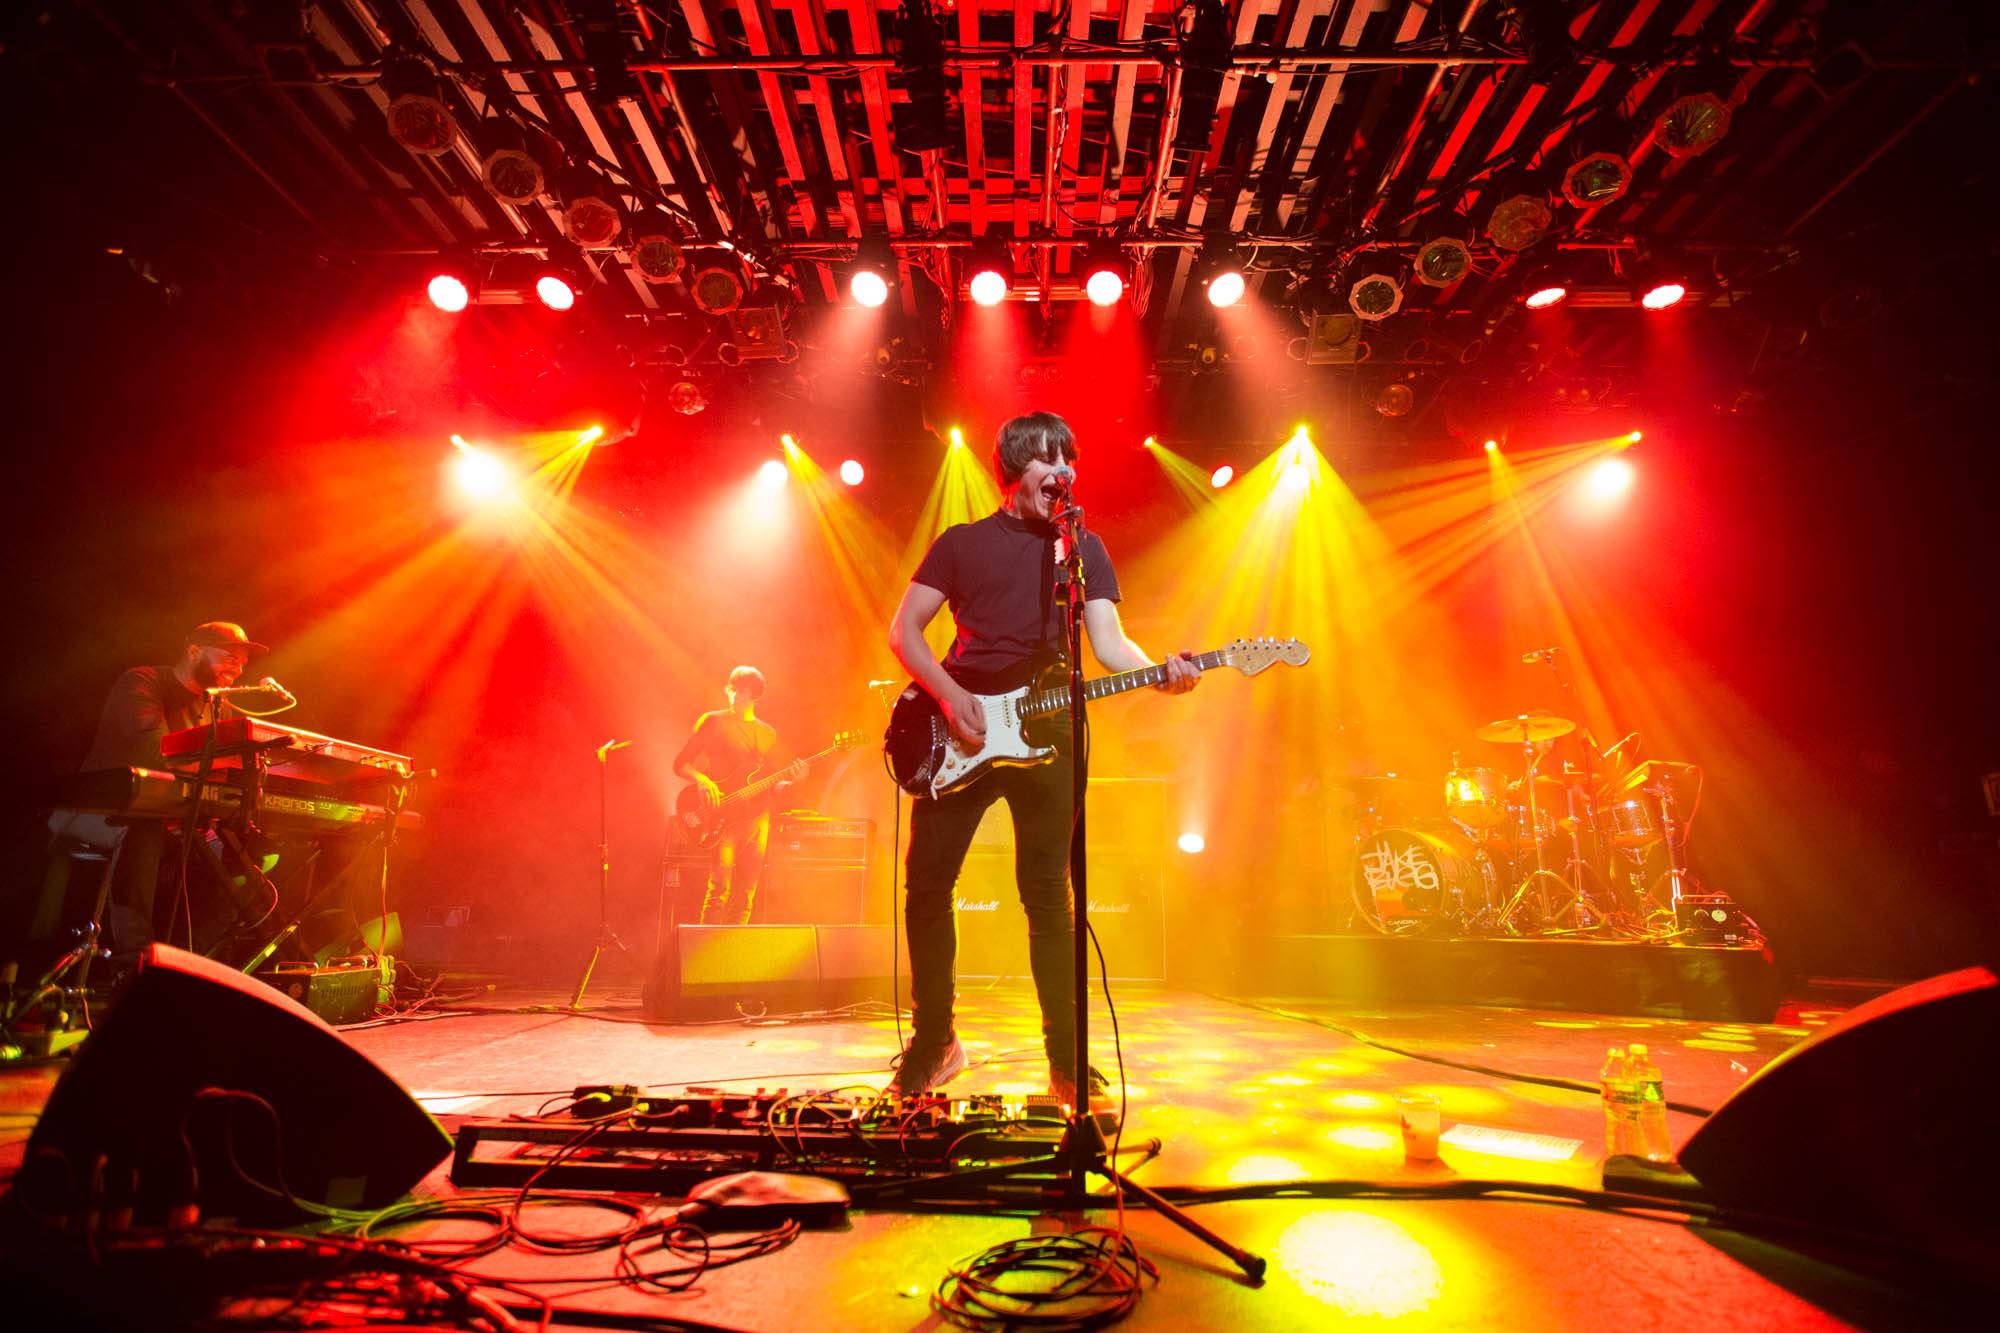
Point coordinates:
pixel 727 746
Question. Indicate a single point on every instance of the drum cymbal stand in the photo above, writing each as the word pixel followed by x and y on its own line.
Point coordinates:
pixel 1670 832
pixel 1563 903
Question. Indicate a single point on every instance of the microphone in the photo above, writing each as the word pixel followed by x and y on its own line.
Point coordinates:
pixel 268 685
pixel 1621 745
pixel 1539 655
pixel 1063 475
pixel 609 746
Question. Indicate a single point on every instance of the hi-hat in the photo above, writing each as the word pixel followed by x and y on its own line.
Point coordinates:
pixel 1526 727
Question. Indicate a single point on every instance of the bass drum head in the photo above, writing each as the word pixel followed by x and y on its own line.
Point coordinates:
pixel 1406 880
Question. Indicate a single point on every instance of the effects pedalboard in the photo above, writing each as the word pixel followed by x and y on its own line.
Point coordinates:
pixel 618 1138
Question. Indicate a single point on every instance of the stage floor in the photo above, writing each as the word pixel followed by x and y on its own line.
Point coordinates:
pixel 1240 1093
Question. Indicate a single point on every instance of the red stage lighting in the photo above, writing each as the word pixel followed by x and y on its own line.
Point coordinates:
pixel 1222 476
pixel 1226 288
pixel 1542 297
pixel 1610 479
pixel 868 287
pixel 1104 277
pixel 1104 287
pixel 852 472
pixel 988 286
pixel 555 292
pixel 1662 295
pixel 449 293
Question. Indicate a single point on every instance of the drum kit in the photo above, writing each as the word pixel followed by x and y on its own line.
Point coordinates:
pixel 1562 840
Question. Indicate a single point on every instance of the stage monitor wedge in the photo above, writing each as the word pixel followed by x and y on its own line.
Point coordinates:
pixel 1881 1122
pixel 352 1137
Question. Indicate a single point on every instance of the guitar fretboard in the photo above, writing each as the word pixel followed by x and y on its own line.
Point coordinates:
pixel 1057 700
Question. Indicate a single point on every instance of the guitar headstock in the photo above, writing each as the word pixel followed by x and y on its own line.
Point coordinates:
pixel 848 740
pixel 1252 655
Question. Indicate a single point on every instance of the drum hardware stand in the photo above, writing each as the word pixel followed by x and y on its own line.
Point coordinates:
pixel 1574 903
pixel 605 935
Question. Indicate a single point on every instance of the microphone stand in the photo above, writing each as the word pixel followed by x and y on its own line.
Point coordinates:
pixel 605 935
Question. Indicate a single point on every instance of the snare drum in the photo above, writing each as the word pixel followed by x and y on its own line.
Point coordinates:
pixel 1629 821
pixel 1476 797
pixel 1405 879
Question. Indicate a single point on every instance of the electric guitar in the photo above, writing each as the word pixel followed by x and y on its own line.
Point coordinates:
pixel 928 759
pixel 699 823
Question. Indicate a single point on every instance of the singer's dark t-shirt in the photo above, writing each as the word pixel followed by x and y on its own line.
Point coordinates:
pixel 145 704
pixel 998 577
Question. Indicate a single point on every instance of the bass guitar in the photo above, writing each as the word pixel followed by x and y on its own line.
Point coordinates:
pixel 928 759
pixel 700 824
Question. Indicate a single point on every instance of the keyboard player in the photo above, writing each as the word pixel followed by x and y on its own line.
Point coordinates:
pixel 145 704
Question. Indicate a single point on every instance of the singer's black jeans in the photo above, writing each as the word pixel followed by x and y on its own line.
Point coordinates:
pixel 941 830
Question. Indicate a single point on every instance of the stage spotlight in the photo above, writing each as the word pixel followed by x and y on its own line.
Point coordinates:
pixel 1610 479
pixel 1634 437
pixel 1192 843
pixel 1222 476
pixel 1104 276
pixel 514 162
pixel 1375 296
pixel 590 436
pixel 957 438
pixel 868 287
pixel 1492 446
pixel 772 475
pixel 591 215
pixel 988 286
pixel 555 291
pixel 1205 50
pixel 1518 222
pixel 657 257
pixel 852 472
pixel 1691 125
pixel 478 474
pixel 1545 286
pixel 1395 400
pixel 717 286
pixel 1219 268
pixel 1600 178
pixel 874 272
pixel 449 292
pixel 1443 261
pixel 1663 295
pixel 417 117
pixel 686 397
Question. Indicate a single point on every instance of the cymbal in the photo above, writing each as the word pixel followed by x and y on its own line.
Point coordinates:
pixel 1526 727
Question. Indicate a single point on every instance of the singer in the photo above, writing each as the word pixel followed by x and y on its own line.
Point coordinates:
pixel 145 704
pixel 998 575
pixel 727 747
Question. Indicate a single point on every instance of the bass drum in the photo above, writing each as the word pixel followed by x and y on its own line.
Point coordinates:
pixel 1406 880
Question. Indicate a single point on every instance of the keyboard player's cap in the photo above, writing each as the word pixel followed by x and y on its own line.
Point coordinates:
pixel 224 634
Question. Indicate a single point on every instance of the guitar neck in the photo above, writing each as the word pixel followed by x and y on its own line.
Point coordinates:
pixel 764 784
pixel 1056 700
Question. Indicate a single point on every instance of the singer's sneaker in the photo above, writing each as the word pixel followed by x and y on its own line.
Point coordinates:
pixel 1103 1107
pixel 926 1067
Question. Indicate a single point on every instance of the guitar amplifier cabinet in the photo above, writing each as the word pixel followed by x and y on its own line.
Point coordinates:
pixel 1127 837
pixel 816 872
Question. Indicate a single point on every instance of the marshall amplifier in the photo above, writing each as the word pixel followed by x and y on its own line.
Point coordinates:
pixel 816 871
pixel 1126 867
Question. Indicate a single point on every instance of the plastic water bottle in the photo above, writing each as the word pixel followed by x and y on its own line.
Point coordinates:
pixel 1621 1124
pixel 1655 1143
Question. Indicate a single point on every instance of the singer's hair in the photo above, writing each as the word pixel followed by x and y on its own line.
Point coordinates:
pixel 747 680
pixel 1038 435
